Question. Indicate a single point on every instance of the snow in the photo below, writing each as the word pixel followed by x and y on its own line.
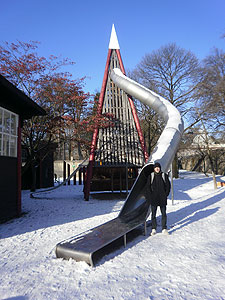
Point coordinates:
pixel 187 264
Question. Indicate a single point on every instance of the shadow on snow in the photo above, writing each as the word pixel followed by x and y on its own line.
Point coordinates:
pixel 193 212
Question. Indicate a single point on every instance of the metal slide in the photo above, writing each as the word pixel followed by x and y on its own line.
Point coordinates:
pixel 136 208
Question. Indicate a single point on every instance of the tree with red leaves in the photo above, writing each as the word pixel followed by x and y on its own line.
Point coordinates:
pixel 80 121
pixel 68 113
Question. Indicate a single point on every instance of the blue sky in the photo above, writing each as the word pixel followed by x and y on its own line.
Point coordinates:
pixel 80 30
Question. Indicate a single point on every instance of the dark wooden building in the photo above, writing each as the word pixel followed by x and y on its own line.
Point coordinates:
pixel 15 107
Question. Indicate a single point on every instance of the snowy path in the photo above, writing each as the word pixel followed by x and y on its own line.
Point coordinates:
pixel 188 264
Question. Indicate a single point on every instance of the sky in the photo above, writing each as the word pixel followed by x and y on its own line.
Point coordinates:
pixel 80 30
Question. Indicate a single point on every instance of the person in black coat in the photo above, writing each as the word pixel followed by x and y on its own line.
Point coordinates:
pixel 159 191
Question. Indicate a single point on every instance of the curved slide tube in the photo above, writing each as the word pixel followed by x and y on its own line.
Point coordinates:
pixel 136 208
pixel 169 140
pixel 167 144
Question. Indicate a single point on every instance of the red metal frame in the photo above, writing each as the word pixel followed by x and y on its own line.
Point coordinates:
pixel 134 112
pixel 95 134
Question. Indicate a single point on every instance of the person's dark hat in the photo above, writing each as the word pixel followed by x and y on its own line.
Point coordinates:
pixel 157 164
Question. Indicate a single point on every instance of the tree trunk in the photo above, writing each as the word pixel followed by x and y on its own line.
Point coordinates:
pixel 149 139
pixel 209 153
pixel 79 151
pixel 34 177
pixel 214 180
pixel 175 167
pixel 212 168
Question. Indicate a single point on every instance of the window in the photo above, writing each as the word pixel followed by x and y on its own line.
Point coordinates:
pixel 8 133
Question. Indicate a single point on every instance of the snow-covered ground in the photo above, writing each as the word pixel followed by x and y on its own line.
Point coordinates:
pixel 187 264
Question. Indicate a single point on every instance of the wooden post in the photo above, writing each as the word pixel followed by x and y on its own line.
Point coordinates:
pixel 172 190
pixel 84 173
pixel 75 179
pixel 80 180
pixel 68 173
pixel 64 171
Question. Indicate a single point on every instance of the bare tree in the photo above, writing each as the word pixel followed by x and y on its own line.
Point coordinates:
pixel 172 72
pixel 208 151
pixel 210 106
pixel 211 91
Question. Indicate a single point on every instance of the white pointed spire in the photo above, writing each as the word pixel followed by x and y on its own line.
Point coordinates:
pixel 113 43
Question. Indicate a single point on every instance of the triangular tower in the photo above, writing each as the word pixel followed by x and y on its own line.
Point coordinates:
pixel 117 151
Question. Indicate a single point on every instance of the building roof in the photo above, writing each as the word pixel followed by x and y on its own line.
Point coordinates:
pixel 16 101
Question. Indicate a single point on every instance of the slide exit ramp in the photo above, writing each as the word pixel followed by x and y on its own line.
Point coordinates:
pixel 136 208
